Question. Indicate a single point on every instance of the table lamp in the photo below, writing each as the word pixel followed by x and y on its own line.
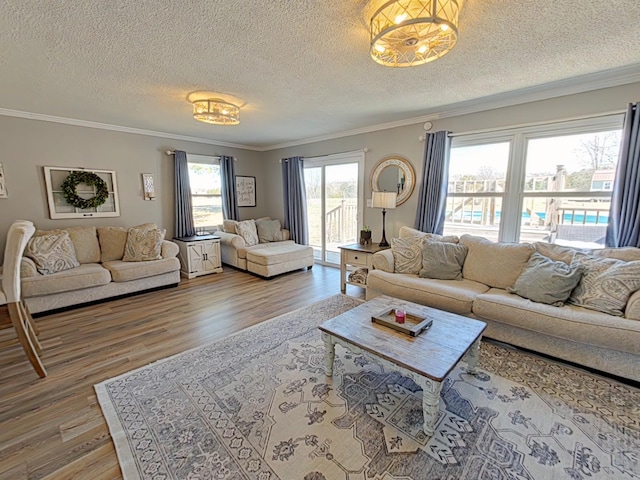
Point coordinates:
pixel 384 200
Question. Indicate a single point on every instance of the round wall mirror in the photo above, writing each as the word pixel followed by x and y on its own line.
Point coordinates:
pixel 394 174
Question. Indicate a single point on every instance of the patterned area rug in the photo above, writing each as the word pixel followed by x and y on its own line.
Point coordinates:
pixel 257 405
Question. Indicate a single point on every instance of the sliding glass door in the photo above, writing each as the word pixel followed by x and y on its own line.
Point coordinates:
pixel 334 187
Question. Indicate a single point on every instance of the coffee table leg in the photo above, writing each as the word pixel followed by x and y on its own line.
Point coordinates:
pixel 430 404
pixel 329 354
pixel 472 356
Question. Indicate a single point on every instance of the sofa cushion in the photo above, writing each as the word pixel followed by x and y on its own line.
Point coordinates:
pixel 408 232
pixel 269 230
pixel 122 271
pixel 558 253
pixel 112 242
pixel 442 260
pixel 229 226
pixel 569 322
pixel 451 295
pixel 289 252
pixel 52 252
pixel 143 245
pixel 606 283
pixel 84 276
pixel 497 264
pixel 247 230
pixel 407 254
pixel 547 281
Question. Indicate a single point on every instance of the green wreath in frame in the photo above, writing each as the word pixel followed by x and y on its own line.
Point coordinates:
pixel 71 196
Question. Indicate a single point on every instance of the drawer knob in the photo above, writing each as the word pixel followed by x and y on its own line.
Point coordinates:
pixel 356 257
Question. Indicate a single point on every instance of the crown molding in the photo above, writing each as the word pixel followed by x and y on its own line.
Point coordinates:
pixel 118 128
pixel 571 86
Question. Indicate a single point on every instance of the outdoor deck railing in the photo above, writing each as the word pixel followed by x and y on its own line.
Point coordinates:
pixel 342 223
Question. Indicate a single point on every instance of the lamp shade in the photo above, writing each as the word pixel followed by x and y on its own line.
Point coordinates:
pixel 383 199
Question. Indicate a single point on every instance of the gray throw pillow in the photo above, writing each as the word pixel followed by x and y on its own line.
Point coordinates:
pixel 547 281
pixel 442 260
pixel 407 255
pixel 606 284
pixel 269 230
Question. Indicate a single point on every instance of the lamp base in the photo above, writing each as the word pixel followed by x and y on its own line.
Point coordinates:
pixel 383 242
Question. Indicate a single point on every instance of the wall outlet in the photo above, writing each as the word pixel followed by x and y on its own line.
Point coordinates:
pixel 369 202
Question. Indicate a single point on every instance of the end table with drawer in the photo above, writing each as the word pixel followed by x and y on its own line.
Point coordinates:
pixel 358 256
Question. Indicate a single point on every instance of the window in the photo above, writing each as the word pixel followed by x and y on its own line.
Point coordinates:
pixel 548 183
pixel 206 197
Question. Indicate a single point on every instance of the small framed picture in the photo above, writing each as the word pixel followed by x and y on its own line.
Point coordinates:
pixel 3 183
pixel 246 191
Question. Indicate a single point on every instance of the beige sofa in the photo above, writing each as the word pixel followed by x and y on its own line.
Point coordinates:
pixel 586 337
pixel 101 274
pixel 269 253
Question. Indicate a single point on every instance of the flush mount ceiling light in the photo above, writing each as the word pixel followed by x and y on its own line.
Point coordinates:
pixel 405 33
pixel 216 111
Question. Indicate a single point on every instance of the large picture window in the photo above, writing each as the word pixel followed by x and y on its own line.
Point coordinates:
pixel 205 182
pixel 548 183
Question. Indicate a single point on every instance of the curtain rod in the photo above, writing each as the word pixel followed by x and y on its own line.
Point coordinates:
pixel 365 150
pixel 217 157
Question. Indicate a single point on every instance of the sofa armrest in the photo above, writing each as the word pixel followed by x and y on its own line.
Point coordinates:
pixel 28 268
pixel 383 260
pixel 231 239
pixel 169 249
pixel 286 234
pixel 632 311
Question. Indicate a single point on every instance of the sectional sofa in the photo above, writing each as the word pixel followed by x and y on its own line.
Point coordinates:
pixel 602 341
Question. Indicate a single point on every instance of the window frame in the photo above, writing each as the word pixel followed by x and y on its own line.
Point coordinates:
pixel 204 160
pixel 518 138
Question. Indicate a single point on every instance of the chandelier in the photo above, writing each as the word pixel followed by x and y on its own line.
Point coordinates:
pixel 216 111
pixel 405 33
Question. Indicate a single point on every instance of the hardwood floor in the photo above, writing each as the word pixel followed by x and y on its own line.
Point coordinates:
pixel 53 428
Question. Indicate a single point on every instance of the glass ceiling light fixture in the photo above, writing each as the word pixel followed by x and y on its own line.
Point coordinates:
pixel 216 111
pixel 405 33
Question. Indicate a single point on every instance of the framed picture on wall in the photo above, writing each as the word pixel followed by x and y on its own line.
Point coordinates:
pixel 81 193
pixel 246 191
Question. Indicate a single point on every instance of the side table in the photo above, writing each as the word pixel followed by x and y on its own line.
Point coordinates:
pixel 355 255
pixel 199 255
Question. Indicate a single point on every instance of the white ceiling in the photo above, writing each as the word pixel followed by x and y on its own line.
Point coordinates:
pixel 301 68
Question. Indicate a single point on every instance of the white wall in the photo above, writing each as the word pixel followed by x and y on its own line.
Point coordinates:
pixel 404 141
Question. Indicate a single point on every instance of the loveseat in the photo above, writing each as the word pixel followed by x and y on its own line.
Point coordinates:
pixel 579 333
pixel 78 265
pixel 261 246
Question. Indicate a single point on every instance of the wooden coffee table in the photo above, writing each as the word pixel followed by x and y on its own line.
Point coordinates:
pixel 427 359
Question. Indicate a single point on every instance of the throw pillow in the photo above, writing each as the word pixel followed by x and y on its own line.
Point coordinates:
pixel 407 255
pixel 112 243
pixel 143 245
pixel 229 226
pixel 442 260
pixel 606 284
pixel 544 280
pixel 247 230
pixel 52 253
pixel 269 231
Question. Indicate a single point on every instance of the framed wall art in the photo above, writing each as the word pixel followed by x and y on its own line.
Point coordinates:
pixel 81 193
pixel 3 183
pixel 246 191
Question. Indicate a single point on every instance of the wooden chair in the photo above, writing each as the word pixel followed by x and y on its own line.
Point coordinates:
pixel 19 234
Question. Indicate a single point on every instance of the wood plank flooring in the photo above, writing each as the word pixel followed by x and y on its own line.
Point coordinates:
pixel 53 428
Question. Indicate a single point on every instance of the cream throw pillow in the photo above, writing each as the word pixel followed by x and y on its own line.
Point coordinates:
pixel 52 253
pixel 143 245
pixel 114 239
pixel 247 230
pixel 229 226
pixel 606 284
pixel 407 255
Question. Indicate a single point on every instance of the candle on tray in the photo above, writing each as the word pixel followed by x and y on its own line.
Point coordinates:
pixel 400 315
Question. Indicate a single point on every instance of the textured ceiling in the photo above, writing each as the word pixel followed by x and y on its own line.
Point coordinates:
pixel 301 68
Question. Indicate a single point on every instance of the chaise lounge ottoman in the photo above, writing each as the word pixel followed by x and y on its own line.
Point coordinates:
pixel 274 260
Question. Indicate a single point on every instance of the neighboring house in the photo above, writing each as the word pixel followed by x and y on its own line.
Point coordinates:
pixel 602 180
